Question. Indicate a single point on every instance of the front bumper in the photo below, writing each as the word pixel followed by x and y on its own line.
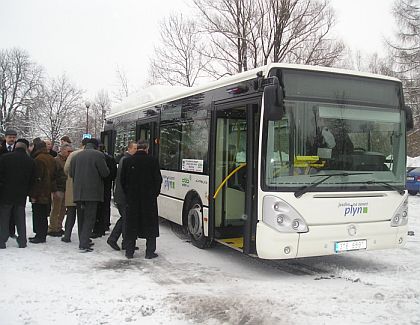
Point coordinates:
pixel 320 240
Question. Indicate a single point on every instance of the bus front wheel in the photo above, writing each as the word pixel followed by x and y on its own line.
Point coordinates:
pixel 195 225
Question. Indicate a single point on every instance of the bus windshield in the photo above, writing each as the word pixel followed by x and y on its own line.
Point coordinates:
pixel 319 139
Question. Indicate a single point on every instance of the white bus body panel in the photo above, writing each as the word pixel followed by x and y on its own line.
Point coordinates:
pixel 174 189
pixel 329 217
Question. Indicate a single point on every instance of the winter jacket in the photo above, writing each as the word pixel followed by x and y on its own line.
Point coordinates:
pixel 88 169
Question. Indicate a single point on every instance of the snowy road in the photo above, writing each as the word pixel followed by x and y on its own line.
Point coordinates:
pixel 54 283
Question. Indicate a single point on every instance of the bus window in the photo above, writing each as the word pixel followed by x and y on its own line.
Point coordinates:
pixel 170 137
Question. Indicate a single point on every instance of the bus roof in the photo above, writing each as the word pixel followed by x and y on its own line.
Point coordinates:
pixel 158 94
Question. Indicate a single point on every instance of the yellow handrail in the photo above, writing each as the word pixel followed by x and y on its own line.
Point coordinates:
pixel 226 179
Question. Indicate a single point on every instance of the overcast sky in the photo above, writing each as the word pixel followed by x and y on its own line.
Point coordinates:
pixel 87 39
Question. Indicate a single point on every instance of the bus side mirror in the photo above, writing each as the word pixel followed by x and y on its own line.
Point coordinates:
pixel 408 118
pixel 273 102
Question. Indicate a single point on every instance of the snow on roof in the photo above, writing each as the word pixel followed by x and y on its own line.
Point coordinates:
pixel 147 95
pixel 156 94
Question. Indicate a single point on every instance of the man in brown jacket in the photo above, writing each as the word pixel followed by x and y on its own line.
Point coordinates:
pixel 58 208
pixel 40 194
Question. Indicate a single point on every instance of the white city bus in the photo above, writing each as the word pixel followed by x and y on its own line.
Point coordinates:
pixel 282 161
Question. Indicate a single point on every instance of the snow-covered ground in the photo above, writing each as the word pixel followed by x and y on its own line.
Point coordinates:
pixel 53 283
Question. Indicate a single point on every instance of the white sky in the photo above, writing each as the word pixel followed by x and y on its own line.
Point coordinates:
pixel 87 39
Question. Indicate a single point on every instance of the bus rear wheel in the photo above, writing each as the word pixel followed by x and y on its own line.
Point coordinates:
pixel 195 225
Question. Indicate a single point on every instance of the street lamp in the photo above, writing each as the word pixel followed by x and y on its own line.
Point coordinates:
pixel 87 103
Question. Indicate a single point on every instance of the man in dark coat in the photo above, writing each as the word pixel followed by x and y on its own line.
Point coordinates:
pixel 88 169
pixel 9 141
pixel 141 181
pixel 40 193
pixel 17 172
pixel 120 202
pixel 103 215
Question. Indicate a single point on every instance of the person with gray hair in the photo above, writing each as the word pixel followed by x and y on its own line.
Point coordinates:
pixel 17 171
pixel 58 208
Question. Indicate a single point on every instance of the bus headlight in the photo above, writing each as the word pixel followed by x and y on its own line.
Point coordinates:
pixel 281 216
pixel 400 217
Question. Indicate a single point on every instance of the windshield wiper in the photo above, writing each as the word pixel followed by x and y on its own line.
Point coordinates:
pixel 306 188
pixel 387 185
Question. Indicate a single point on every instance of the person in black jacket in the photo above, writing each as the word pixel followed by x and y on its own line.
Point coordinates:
pixel 9 141
pixel 103 214
pixel 141 181
pixel 17 171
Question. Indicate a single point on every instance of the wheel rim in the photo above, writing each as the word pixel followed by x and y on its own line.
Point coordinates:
pixel 195 225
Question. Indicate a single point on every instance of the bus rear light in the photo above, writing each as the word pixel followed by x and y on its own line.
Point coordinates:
pixel 400 217
pixel 281 216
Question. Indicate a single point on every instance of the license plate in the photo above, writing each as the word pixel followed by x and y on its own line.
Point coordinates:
pixel 410 178
pixel 352 245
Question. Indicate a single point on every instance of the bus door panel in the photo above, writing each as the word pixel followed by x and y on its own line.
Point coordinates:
pixel 230 157
pixel 108 139
pixel 147 130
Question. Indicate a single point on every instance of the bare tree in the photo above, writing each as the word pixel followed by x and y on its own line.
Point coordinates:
pixel 228 25
pixel 123 89
pixel 247 33
pixel 100 107
pixel 297 31
pixel 406 52
pixel 20 85
pixel 178 60
pixel 59 108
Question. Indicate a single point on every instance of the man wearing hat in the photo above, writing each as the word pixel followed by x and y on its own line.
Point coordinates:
pixel 10 140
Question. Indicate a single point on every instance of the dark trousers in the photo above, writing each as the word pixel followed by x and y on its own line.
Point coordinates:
pixel 17 214
pixel 99 227
pixel 119 228
pixel 12 226
pixel 70 221
pixel 40 214
pixel 130 245
pixel 86 216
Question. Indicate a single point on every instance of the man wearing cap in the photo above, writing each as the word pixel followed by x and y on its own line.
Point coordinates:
pixel 17 171
pixel 88 169
pixel 10 140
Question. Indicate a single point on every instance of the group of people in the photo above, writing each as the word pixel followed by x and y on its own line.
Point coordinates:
pixel 78 184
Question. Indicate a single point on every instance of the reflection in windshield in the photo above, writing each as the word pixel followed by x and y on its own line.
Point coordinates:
pixel 323 139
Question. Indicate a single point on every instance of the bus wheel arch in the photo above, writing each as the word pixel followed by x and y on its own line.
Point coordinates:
pixel 192 220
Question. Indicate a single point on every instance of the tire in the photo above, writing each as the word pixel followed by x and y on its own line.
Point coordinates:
pixel 195 224
pixel 412 192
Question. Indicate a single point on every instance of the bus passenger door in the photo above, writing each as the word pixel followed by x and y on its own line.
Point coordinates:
pixel 232 176
pixel 108 139
pixel 147 130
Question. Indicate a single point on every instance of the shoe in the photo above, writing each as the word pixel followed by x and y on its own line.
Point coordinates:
pixel 150 256
pixel 95 235
pixel 129 256
pixel 55 234
pixel 113 244
pixel 91 244
pixel 85 250
pixel 61 232
pixel 13 236
pixel 37 240
pixel 31 238
pixel 65 239
pixel 21 245
pixel 2 246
